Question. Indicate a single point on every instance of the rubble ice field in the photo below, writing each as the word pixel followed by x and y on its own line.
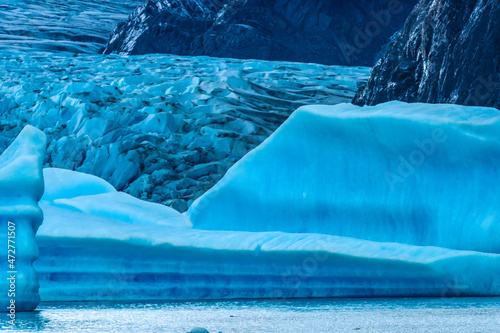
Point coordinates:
pixel 161 128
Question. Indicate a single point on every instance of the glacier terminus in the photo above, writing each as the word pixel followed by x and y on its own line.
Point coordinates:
pixel 249 166
pixel 306 231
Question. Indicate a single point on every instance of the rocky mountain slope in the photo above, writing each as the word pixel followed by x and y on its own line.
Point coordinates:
pixel 448 52
pixel 329 32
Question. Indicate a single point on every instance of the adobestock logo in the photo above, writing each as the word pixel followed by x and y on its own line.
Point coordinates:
pixel 364 36
pixel 408 165
pixel 298 275
pixel 486 89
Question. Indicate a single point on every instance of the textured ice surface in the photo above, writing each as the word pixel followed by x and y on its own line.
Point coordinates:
pixel 82 259
pixel 418 174
pixel 67 184
pixel 91 258
pixel 87 253
pixel 160 128
pixel 81 26
pixel 86 195
pixel 21 186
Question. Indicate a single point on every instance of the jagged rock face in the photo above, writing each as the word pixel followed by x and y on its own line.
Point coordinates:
pixel 328 32
pixel 448 52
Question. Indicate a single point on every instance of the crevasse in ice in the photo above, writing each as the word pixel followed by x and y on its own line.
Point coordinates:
pixel 21 186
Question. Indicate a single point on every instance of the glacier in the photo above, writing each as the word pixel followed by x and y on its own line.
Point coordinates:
pixel 341 201
pixel 21 187
pixel 173 124
pixel 162 177
pixel 81 26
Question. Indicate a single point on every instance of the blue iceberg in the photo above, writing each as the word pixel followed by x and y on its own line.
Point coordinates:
pixel 416 174
pixel 342 201
pixel 21 186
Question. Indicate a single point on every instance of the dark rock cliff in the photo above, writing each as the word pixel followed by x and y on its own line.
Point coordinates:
pixel 448 52
pixel 343 32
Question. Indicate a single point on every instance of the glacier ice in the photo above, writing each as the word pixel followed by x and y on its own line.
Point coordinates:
pixel 93 197
pixel 52 25
pixel 313 212
pixel 417 174
pixel 158 116
pixel 117 261
pixel 21 187
pixel 87 256
pixel 67 184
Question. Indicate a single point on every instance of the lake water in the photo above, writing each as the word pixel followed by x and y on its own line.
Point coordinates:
pixel 332 315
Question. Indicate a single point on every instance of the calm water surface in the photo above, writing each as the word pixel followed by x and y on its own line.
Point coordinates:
pixel 333 315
